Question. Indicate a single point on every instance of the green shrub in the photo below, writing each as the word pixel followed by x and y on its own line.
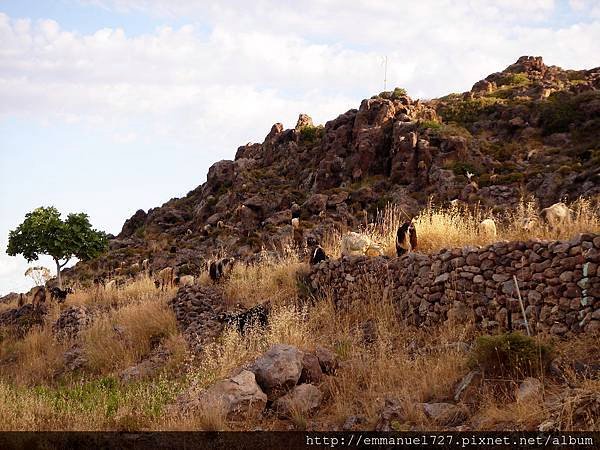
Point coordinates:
pixel 396 94
pixel 431 125
pixel 561 110
pixel 311 134
pixel 510 354
pixel 514 79
pixel 465 112
pixel 461 168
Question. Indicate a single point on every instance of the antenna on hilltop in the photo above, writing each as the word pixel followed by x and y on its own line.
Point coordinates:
pixel 385 73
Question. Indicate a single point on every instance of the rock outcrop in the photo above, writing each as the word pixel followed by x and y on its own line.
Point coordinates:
pixel 530 129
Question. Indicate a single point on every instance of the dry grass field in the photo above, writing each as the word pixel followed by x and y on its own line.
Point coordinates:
pixel 412 365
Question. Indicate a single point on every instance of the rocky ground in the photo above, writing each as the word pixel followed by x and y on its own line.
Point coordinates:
pixel 531 129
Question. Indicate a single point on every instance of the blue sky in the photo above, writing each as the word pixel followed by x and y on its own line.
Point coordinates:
pixel 107 106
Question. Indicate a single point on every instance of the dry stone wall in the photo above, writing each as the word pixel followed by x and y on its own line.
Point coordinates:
pixel 559 282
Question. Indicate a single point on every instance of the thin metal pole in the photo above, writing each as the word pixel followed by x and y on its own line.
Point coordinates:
pixel 522 307
pixel 385 75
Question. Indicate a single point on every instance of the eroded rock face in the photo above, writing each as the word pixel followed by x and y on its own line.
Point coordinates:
pixel 133 223
pixel 392 148
pixel 278 370
pixel 240 397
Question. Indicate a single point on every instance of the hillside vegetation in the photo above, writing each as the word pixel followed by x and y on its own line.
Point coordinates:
pixel 84 381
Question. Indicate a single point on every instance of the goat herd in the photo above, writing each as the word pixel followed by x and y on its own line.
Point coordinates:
pixel 352 244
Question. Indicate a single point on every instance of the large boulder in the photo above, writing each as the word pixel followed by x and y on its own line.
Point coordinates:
pixel 303 400
pixel 311 369
pixel 238 397
pixel 278 370
pixel 327 359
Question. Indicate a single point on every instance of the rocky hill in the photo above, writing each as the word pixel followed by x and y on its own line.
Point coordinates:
pixel 531 129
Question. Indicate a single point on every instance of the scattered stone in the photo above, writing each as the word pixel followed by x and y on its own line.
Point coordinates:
pixel 303 400
pixel 529 388
pixel 327 359
pixel 353 421
pixel 392 412
pixel 278 370
pixel 445 414
pixel 240 397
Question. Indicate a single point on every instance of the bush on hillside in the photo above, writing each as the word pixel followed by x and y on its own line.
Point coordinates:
pixel 510 354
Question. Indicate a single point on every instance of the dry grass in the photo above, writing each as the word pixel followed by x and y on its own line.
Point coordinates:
pixel 123 337
pixel 381 357
pixel 273 279
pixel 457 226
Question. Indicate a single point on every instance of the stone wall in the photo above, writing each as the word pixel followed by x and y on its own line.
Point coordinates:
pixel 559 282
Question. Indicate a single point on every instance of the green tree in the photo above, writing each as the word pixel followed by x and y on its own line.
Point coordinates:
pixel 43 232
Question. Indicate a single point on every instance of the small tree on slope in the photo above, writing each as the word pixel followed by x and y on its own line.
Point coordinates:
pixel 44 232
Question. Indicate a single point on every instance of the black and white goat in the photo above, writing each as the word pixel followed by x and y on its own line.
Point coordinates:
pixel 257 316
pixel 220 268
pixel 60 295
pixel 406 238
pixel 318 255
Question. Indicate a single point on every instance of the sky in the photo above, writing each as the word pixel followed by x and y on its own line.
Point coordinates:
pixel 108 106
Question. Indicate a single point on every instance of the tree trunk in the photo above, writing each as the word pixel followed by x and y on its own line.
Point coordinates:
pixel 58 266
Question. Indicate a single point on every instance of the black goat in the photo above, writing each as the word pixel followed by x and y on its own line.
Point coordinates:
pixel 406 238
pixel 60 295
pixel 318 255
pixel 256 316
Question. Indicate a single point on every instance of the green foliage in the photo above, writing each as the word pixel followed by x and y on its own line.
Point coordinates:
pixel 465 112
pixel 311 134
pixel 562 110
pixel 140 231
pixel 44 232
pixel 510 354
pixel 106 396
pixel 430 125
pixel 557 113
pixel 396 94
pixel 514 79
pixel 445 130
pixel 500 151
pixel 461 168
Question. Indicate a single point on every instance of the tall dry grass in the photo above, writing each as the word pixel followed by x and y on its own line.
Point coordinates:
pixel 273 279
pixel 457 226
pixel 127 323
pixel 380 356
